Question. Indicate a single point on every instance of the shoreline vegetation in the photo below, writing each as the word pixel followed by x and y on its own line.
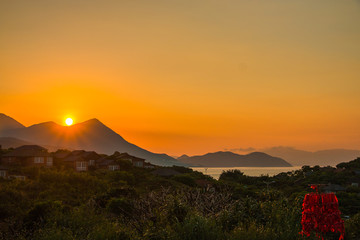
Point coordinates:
pixel 140 203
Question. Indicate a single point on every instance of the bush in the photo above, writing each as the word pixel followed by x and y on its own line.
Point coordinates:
pixel 196 227
pixel 352 227
pixel 119 206
pixel 119 176
pixel 185 179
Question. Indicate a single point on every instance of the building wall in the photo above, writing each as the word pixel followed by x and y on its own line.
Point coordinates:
pixel 3 173
pixel 114 167
pixel 28 161
pixel 138 163
pixel 81 166
pixel 43 161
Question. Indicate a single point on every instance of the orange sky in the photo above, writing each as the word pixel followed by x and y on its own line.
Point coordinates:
pixel 188 76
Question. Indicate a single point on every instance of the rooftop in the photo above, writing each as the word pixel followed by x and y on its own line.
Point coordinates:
pixel 28 151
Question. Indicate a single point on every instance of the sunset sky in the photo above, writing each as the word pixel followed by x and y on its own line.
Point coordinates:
pixel 187 76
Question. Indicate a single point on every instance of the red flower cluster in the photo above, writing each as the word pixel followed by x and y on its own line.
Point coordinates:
pixel 321 214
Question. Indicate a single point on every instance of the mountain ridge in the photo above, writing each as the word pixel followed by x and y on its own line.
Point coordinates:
pixel 90 135
pixel 8 123
pixel 327 157
pixel 230 159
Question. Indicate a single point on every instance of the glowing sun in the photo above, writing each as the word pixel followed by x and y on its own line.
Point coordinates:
pixel 69 121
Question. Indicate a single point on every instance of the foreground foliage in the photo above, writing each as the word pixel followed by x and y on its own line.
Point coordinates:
pixel 135 204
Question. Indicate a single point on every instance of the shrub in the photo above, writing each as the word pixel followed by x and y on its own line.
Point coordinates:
pixel 196 227
pixel 120 206
pixel 185 179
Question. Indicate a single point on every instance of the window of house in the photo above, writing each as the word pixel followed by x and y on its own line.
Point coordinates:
pixel 81 166
pixel 138 164
pixel 10 159
pixel 38 159
pixel 19 177
pixel 114 167
pixel 49 161
pixel 2 173
pixel 91 162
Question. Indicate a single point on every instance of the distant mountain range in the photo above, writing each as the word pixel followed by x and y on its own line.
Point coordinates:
pixel 89 135
pixel 94 135
pixel 230 159
pixel 9 142
pixel 330 157
pixel 7 123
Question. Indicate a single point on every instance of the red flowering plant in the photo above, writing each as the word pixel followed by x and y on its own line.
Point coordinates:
pixel 321 214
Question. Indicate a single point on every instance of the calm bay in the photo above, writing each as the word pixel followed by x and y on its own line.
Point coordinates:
pixel 249 171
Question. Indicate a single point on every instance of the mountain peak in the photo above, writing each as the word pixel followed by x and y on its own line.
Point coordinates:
pixel 223 153
pixel 47 124
pixel 93 121
pixel 183 157
pixel 258 154
pixel 8 123
pixel 6 117
pixel 91 135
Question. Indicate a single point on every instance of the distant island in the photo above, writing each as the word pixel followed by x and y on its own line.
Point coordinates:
pixel 327 157
pixel 230 159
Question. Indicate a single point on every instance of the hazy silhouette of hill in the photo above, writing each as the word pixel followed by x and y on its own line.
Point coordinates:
pixel 89 135
pixel 184 156
pixel 9 142
pixel 323 158
pixel 7 123
pixel 230 159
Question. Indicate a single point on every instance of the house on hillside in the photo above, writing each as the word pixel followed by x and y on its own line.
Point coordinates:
pixel 60 155
pixel 110 164
pixel 149 165
pixel 3 171
pixel 90 156
pixel 76 162
pixel 18 177
pixel 136 162
pixel 81 160
pixel 8 173
pixel 28 155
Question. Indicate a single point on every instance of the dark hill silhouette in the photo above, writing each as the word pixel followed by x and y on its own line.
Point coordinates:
pixel 9 142
pixel 330 157
pixel 7 123
pixel 230 159
pixel 184 156
pixel 90 135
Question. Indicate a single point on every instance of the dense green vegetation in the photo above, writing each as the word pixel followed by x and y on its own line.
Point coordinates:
pixel 59 203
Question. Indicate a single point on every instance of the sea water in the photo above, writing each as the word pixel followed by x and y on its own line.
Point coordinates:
pixel 249 171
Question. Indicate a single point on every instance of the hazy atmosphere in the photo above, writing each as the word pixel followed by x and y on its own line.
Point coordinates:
pixel 188 76
pixel 180 119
